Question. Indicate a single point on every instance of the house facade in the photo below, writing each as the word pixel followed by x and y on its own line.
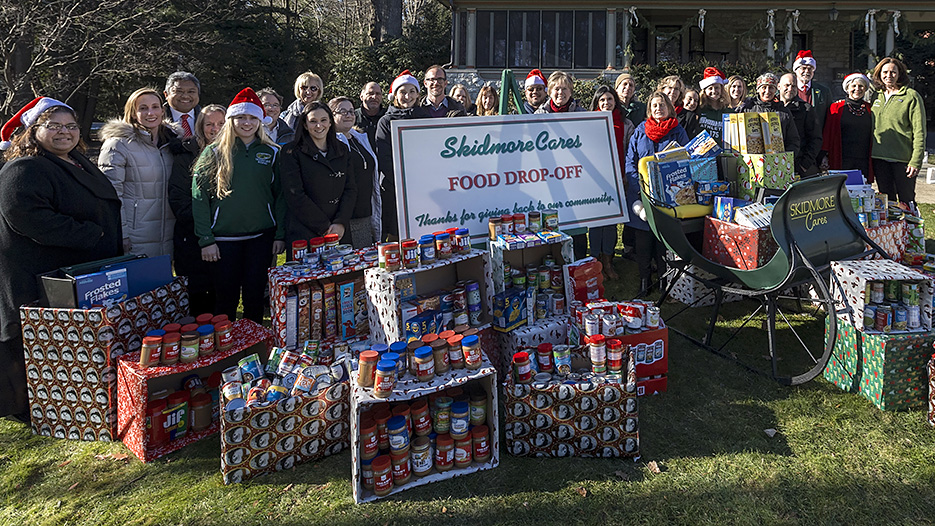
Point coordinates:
pixel 594 38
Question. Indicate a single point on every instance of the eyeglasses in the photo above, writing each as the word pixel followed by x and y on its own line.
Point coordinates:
pixel 309 88
pixel 272 105
pixel 54 126
pixel 436 79
pixel 344 113
pixel 535 88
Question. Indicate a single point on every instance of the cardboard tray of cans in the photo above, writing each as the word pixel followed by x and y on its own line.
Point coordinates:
pixel 135 384
pixel 386 290
pixel 71 359
pixel 851 279
pixel 582 415
pixel 408 388
pixel 305 303
pixel 270 437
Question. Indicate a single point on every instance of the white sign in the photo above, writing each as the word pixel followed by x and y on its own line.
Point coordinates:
pixel 458 172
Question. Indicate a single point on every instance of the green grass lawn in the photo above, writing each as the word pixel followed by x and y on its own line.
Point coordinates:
pixel 835 459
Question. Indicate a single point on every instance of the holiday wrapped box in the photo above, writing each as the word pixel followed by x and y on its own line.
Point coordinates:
pixel 553 329
pixel 770 170
pixel 71 359
pixel 278 436
pixel 291 319
pixel 135 384
pixel 887 369
pixel 891 237
pixel 693 292
pixel 584 419
pixel 849 283
pixel 559 247
pixel 387 291
pixel 737 246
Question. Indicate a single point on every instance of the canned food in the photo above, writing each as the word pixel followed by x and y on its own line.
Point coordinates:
pixel 592 325
pixel 876 292
pixel 912 317
pixel 557 304
pixel 545 278
pixel 899 318
pixel 557 279
pixel 891 288
pixel 287 363
pixel 507 272
pixel 873 219
pixel 304 382
pixel 461 318
pixel 231 374
pixel 910 293
pixel 232 390
pixel 652 317
pixel 870 316
pixel 609 324
pixel 542 307
pixel 459 299
pixel 250 368
pixel 472 289
pixel 884 319
pixel 518 279
pixel 550 220
pixel 275 393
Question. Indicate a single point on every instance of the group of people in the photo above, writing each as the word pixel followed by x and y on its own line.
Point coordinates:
pixel 224 189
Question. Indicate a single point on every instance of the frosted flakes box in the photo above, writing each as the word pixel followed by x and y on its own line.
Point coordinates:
pixel 674 183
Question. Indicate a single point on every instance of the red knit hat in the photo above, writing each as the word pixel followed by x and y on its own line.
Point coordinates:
pixel 804 58
pixel 712 76
pixel 535 77
pixel 404 78
pixel 247 103
pixel 26 117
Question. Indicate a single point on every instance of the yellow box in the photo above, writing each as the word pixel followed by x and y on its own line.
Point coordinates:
pixel 751 134
pixel 772 133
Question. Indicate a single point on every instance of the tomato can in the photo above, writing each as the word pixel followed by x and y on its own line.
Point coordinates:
pixel 556 277
pixel 884 319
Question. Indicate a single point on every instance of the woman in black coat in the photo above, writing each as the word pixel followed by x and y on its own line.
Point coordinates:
pixel 56 209
pixel 318 178
pixel 186 251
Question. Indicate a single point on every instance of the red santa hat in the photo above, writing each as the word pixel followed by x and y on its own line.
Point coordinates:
pixel 247 103
pixel 534 78
pixel 712 76
pixel 404 78
pixel 26 117
pixel 854 76
pixel 804 58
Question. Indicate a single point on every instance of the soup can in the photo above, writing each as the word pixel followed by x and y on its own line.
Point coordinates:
pixel 884 318
pixel 876 292
pixel 912 317
pixel 609 323
pixel 557 304
pixel 899 318
pixel 910 293
pixel 652 317
pixel 542 306
pixel 870 316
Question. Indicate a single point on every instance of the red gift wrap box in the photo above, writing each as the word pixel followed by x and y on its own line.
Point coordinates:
pixel 737 246
pixel 651 354
pixel 136 383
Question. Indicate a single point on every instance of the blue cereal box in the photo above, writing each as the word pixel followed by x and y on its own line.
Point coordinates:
pixel 703 145
pixel 674 185
pixel 724 207
pixel 102 289
pixel 703 170
pixel 509 310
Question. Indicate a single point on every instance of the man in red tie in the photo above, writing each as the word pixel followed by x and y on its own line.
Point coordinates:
pixel 818 95
pixel 182 93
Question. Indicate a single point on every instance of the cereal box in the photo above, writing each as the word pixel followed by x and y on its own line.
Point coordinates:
pixel 673 183
pixel 772 133
pixel 703 145
pixel 754 215
pixel 706 191
pixel 751 133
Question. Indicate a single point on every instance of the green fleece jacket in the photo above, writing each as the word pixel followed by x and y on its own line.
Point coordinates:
pixel 899 127
pixel 255 203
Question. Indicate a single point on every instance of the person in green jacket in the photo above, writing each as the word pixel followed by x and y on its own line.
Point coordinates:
pixel 238 207
pixel 898 131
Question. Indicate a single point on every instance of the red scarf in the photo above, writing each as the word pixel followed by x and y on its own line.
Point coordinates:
pixel 679 109
pixel 559 109
pixel 657 130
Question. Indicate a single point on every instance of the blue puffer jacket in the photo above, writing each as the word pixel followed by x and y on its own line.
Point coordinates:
pixel 642 146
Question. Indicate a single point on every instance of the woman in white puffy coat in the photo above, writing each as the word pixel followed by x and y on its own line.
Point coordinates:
pixel 136 159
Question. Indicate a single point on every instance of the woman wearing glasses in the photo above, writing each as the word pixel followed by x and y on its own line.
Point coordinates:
pixel 308 88
pixel 278 131
pixel 137 159
pixel 56 209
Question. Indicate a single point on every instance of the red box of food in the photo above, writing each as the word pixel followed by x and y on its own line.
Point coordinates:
pixel 737 246
pixel 651 386
pixel 650 350
pixel 135 384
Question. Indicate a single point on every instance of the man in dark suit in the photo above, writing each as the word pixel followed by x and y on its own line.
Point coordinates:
pixel 806 124
pixel 818 95
pixel 183 91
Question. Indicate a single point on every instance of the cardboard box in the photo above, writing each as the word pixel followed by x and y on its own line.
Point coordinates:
pixel 852 276
pixel 888 370
pixel 650 350
pixel 737 246
pixel 705 192
pixel 264 439
pixel 559 247
pixel 509 310
pixel 772 132
pixel 652 386
pixel 703 145
pixel 672 183
pixel 71 359
pixel 135 384
pixel 772 170
pixel 583 280
pixel 754 215
pixel 583 419
pixel 60 288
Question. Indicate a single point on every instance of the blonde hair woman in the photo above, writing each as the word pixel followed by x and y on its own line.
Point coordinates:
pixel 736 91
pixel 560 88
pixel 137 160
pixel 307 89
pixel 239 221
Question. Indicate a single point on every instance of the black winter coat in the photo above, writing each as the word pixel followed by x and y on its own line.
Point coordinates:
pixel 52 215
pixel 806 124
pixel 185 243
pixel 320 190
pixel 384 147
